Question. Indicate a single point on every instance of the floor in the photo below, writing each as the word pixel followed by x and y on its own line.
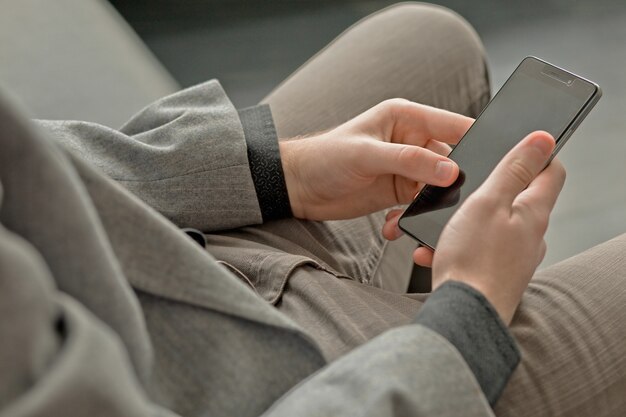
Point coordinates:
pixel 252 54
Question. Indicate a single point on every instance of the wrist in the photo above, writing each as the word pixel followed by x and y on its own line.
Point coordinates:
pixel 504 306
pixel 287 157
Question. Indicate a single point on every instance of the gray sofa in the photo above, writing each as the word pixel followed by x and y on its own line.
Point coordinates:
pixel 76 59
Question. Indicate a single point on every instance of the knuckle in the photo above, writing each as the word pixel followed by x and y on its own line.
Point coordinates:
pixel 397 102
pixel 394 105
pixel 409 155
pixel 484 200
pixel 520 172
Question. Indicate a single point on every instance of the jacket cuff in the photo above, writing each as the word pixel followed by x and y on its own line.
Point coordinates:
pixel 265 163
pixel 468 321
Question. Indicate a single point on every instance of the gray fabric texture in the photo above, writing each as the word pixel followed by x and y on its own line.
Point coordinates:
pixel 132 317
pixel 391 53
pixel 467 320
pixel 185 156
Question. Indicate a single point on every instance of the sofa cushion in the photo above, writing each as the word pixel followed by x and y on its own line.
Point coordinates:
pixel 77 59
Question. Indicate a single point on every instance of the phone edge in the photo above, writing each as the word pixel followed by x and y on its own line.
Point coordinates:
pixel 560 142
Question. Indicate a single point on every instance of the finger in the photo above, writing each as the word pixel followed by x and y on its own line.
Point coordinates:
pixel 391 230
pixel 542 193
pixel 519 167
pixel 438 147
pixel 393 213
pixel 423 257
pixel 412 162
pixel 411 118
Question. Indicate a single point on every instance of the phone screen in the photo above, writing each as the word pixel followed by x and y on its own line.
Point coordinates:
pixel 538 96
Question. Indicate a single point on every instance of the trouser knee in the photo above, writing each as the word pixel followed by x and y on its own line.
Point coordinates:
pixel 459 45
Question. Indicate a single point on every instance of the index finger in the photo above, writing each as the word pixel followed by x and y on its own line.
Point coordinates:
pixel 418 123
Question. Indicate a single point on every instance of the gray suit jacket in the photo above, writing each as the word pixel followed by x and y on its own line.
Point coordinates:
pixel 108 309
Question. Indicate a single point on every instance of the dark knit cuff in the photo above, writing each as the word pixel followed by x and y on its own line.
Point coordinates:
pixel 265 164
pixel 466 319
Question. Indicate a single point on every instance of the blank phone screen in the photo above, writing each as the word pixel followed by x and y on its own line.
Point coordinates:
pixel 535 97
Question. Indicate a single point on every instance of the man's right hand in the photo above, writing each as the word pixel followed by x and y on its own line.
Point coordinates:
pixel 494 242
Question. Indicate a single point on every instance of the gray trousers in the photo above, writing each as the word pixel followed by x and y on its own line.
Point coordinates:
pixel 345 284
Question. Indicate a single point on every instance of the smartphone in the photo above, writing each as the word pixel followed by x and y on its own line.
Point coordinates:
pixel 537 96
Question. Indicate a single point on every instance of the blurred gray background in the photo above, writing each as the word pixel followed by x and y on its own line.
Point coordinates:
pixel 252 45
pixel 77 59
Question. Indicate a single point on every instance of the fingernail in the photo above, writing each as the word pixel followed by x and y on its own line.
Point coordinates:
pixel 443 170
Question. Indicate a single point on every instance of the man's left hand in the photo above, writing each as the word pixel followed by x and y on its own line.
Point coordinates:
pixel 377 160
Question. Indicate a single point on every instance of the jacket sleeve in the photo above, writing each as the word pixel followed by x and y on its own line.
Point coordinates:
pixel 408 371
pixel 471 324
pixel 187 156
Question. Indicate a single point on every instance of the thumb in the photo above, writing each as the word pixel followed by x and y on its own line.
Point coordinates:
pixel 413 162
pixel 520 166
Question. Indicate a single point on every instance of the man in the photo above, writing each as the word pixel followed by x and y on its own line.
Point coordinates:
pixel 109 309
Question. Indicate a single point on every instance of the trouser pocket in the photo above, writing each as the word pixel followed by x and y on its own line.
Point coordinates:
pixel 263 268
